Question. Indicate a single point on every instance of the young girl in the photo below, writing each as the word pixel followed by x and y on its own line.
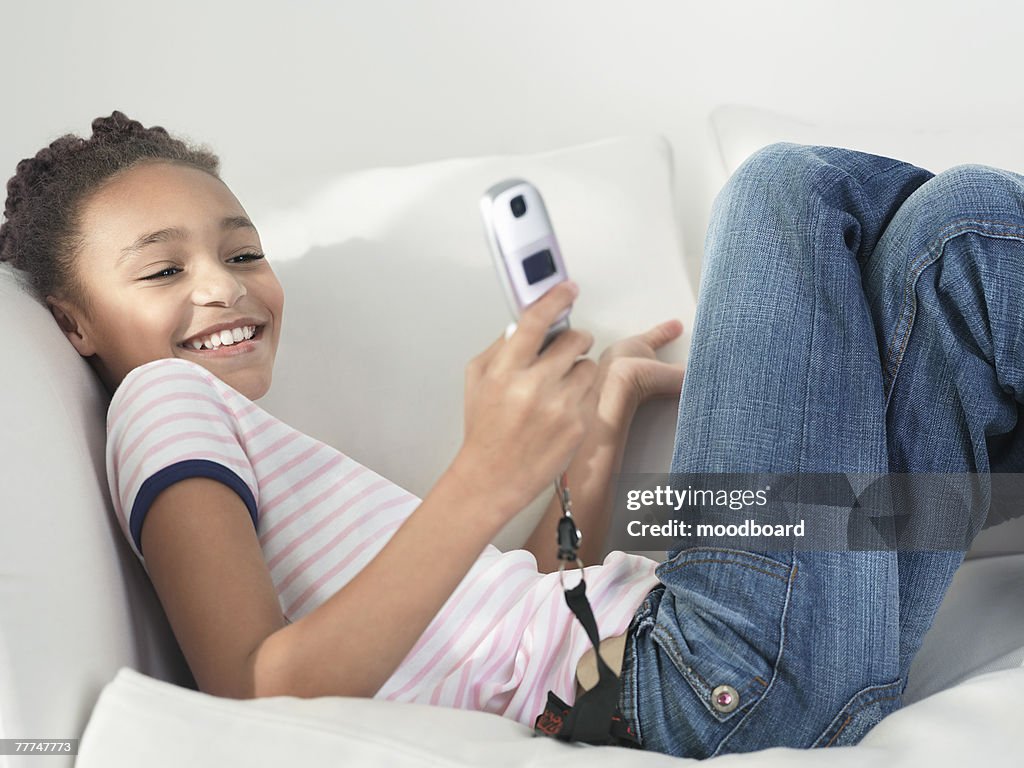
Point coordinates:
pixel 286 568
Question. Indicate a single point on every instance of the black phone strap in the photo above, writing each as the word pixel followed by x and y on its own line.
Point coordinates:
pixel 595 718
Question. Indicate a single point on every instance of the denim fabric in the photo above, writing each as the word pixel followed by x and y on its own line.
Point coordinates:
pixel 856 314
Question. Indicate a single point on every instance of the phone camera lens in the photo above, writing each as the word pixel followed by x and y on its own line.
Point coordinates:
pixel 518 206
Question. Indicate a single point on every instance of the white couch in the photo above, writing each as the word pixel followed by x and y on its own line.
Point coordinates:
pixel 389 291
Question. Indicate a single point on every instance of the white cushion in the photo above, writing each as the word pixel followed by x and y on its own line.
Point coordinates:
pixel 741 130
pixel 390 290
pixel 140 721
pixel 962 704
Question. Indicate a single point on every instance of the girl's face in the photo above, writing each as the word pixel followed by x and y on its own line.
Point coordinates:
pixel 168 255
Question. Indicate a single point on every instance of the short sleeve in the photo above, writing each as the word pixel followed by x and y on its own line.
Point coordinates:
pixel 170 420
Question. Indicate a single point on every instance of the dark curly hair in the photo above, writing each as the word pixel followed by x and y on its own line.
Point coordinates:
pixel 41 233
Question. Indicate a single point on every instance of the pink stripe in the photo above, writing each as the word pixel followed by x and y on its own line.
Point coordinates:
pixel 480 653
pixel 529 679
pixel 333 462
pixel 142 384
pixel 547 651
pixel 460 693
pixel 387 526
pixel 168 419
pixel 435 697
pixel 311 590
pixel 516 678
pixel 301 511
pixel 457 632
pixel 280 525
pixel 543 677
pixel 172 395
pixel 330 545
pixel 274 447
pixel 245 411
pixel 260 428
pixel 203 453
pixel 540 651
pixel 376 511
pixel 513 640
pixel 442 618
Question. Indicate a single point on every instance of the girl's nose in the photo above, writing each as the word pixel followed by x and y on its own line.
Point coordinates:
pixel 218 286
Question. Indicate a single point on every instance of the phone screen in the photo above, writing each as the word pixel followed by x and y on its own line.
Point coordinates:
pixel 538 266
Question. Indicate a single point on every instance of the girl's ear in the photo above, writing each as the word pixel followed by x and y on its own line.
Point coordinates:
pixel 67 318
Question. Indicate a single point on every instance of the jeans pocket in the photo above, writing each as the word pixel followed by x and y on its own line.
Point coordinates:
pixel 721 623
pixel 862 712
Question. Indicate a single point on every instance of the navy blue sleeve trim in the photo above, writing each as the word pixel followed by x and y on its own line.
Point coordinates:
pixel 183 470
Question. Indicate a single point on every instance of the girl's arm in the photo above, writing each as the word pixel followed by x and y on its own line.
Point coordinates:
pixel 590 475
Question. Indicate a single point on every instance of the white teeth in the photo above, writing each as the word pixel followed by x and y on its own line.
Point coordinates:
pixel 224 338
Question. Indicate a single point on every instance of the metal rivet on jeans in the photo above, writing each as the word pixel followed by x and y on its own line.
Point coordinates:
pixel 724 698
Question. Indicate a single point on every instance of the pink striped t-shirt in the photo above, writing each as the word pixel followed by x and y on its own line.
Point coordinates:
pixel 500 642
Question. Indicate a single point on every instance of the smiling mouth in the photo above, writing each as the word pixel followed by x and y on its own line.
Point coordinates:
pixel 239 345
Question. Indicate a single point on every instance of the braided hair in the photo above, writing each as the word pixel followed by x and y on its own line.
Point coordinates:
pixel 41 234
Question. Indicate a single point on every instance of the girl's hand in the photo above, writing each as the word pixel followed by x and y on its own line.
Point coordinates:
pixel 526 414
pixel 630 372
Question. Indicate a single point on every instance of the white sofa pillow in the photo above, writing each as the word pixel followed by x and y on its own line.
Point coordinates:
pixel 740 131
pixel 390 290
pixel 962 704
pixel 139 721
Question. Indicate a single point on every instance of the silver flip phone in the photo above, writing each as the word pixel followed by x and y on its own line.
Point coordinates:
pixel 526 253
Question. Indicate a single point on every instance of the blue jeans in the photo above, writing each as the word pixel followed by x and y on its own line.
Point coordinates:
pixel 856 314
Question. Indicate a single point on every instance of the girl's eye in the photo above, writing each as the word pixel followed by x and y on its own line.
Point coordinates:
pixel 161 273
pixel 248 256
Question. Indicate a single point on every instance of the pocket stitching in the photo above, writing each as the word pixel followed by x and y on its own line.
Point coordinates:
pixel 679 566
pixel 883 688
pixel 781 569
pixel 849 717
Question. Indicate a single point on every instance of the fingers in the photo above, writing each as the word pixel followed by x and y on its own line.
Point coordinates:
pixel 534 322
pixel 563 352
pixel 582 377
pixel 662 333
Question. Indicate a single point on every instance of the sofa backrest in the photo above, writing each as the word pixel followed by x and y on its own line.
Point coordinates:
pixel 75 604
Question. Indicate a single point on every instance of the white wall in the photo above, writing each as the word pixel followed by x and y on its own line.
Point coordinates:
pixel 293 95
